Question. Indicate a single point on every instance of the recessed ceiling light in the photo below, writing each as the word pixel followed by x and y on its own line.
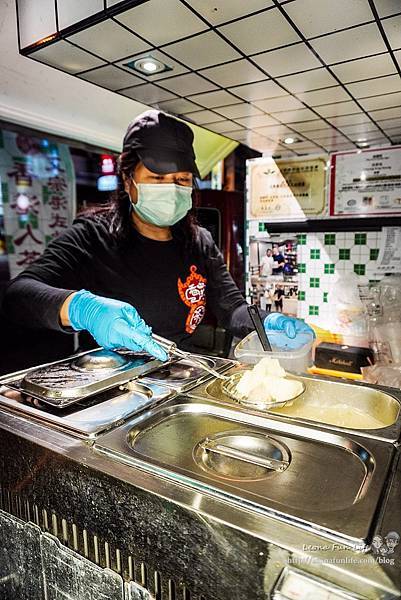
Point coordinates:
pixel 289 140
pixel 363 144
pixel 147 65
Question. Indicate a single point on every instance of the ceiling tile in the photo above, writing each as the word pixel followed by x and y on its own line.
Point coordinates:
pixel 120 42
pixel 386 113
pixel 73 11
pixel 306 147
pixel 309 80
pixel 202 50
pixel 398 57
pixel 264 31
pixel 178 106
pixel 162 21
pixel 239 110
pixel 238 135
pixel 147 93
pixel 382 101
pixel 334 138
pixel 203 117
pixel 393 131
pixel 339 108
pixel 287 60
pixel 112 2
pixel 364 68
pixel 362 136
pixel 385 8
pixel 34 24
pixel 215 99
pixel 283 103
pixel 222 126
pixel 392 27
pixel 231 73
pixel 174 68
pixel 315 18
pixel 321 134
pixel 311 126
pixel 349 119
pixel 67 57
pixel 188 84
pixel 294 116
pixel 111 78
pixel 220 11
pixel 275 131
pixel 372 87
pixel 326 96
pixel 352 130
pixel 258 90
pixel 340 147
pixel 353 43
pixel 257 121
pixel 388 123
pixel 311 150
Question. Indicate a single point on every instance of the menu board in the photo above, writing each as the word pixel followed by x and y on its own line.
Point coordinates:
pixel 366 182
pixel 286 190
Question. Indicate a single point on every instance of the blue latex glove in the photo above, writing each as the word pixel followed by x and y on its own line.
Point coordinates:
pixel 289 333
pixel 112 323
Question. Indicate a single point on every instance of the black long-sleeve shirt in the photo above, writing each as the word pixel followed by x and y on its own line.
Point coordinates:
pixel 170 288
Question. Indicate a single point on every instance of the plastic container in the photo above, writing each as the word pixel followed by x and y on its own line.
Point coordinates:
pixel 250 351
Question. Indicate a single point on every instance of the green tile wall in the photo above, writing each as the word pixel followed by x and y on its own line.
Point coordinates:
pixel 360 269
pixel 344 254
pixel 329 269
pixel 329 239
pixel 360 239
pixel 315 253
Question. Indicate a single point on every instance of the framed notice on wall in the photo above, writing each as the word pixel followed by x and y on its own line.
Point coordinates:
pixel 286 190
pixel 366 182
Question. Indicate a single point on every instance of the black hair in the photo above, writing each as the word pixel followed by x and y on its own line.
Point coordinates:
pixel 118 210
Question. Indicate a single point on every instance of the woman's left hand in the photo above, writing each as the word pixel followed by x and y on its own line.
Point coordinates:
pixel 295 333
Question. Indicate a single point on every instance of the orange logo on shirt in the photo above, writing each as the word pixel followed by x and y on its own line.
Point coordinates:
pixel 193 294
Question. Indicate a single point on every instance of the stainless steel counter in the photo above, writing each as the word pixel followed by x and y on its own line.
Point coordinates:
pixel 292 545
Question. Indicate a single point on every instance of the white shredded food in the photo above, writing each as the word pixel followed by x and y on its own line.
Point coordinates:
pixel 267 383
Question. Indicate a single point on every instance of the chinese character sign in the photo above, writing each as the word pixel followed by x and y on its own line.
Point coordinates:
pixel 37 195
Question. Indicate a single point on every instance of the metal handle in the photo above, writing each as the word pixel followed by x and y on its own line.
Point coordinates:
pixel 167 345
pixel 254 459
pixel 259 327
pixel 172 350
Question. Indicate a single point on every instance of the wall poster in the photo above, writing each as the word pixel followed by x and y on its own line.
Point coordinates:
pixel 366 182
pixel 286 190
pixel 37 195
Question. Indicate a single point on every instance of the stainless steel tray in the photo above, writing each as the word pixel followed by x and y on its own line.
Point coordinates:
pixel 182 375
pixel 89 417
pixel 314 406
pixel 330 483
pixel 67 381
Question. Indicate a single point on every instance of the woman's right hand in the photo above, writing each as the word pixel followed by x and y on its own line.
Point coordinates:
pixel 112 323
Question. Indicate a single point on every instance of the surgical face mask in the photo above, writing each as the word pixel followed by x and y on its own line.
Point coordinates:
pixel 162 204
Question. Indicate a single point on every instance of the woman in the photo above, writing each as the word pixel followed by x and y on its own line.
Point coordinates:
pixel 143 260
